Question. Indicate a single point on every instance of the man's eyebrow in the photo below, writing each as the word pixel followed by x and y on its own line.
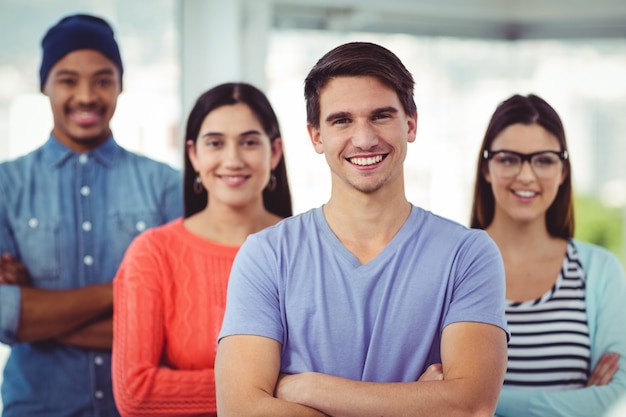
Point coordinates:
pixel 348 115
pixel 338 115
pixel 388 109
pixel 65 72
pixel 105 71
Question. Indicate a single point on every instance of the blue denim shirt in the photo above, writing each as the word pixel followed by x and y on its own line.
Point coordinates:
pixel 69 218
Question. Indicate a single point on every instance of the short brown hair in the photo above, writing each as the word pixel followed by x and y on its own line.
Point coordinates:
pixel 358 59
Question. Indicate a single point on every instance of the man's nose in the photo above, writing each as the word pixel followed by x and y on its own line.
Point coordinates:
pixel 84 92
pixel 364 136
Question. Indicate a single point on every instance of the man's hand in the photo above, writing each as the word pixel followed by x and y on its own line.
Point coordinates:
pixel 14 272
pixel 433 373
pixel 606 367
pixel 289 386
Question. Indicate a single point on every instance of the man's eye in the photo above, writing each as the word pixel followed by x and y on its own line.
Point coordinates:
pixel 104 82
pixel 341 121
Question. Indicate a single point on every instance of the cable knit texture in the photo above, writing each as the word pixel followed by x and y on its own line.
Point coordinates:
pixel 170 296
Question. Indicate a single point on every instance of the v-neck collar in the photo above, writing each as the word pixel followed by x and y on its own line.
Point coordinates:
pixel 409 227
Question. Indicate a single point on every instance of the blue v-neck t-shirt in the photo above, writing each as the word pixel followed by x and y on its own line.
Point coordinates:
pixel 380 321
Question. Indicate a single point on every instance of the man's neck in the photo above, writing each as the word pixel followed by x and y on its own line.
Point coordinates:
pixel 366 223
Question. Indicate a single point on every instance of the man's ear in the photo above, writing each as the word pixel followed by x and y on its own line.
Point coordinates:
pixel 412 126
pixel 316 138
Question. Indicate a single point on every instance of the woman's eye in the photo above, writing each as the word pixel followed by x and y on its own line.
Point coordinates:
pixel 251 142
pixel 213 143
pixel 545 160
pixel 507 160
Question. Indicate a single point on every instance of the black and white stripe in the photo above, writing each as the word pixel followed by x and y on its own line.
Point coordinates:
pixel 549 346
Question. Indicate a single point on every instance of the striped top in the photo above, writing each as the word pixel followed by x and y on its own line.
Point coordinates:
pixel 550 346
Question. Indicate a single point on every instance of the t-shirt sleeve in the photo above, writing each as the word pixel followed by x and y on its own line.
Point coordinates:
pixel 479 283
pixel 253 304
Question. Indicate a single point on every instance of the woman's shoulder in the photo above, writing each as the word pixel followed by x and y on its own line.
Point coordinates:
pixel 591 252
pixel 599 264
pixel 159 235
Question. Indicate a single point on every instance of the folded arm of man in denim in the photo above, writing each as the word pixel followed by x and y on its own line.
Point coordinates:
pixel 68 211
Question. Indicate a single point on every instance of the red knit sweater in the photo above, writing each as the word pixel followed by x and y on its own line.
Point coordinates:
pixel 170 295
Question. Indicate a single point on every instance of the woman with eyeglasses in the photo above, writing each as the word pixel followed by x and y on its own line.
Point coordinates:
pixel 566 300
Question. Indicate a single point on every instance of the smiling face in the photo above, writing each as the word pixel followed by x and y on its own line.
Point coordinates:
pixel 363 133
pixel 524 197
pixel 234 156
pixel 83 87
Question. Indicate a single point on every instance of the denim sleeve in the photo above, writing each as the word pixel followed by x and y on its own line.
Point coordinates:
pixel 7 242
pixel 173 195
pixel 10 295
pixel 10 301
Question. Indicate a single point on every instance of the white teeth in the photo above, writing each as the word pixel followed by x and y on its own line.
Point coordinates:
pixel 232 178
pixel 523 193
pixel 367 161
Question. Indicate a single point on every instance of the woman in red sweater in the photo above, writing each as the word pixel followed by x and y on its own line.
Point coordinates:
pixel 170 290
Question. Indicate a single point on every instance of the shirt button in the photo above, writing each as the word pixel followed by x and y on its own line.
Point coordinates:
pixel 88 260
pixel 86 226
pixel 98 360
pixel 32 223
pixel 141 226
pixel 83 158
pixel 85 190
pixel 99 394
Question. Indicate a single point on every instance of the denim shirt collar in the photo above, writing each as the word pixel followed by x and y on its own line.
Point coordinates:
pixel 56 154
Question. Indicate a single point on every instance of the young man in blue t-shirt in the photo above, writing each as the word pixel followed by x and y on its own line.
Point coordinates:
pixel 368 305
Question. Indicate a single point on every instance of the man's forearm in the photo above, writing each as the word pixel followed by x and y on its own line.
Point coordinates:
pixel 47 314
pixel 95 335
pixel 342 397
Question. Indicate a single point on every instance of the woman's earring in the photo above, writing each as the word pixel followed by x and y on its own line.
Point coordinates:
pixel 271 186
pixel 197 184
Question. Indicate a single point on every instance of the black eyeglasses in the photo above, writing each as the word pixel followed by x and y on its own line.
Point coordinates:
pixel 508 164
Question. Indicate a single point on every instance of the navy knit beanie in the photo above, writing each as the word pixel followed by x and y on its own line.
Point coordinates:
pixel 74 32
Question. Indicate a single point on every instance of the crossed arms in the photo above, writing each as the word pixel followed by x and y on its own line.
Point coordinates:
pixel 467 383
pixel 79 317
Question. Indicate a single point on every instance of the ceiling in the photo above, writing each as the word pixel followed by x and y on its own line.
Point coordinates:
pixel 491 19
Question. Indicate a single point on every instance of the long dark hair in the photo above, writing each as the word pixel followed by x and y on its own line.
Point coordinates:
pixel 526 110
pixel 277 201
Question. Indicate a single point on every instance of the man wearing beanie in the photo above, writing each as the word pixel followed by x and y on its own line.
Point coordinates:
pixel 68 212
